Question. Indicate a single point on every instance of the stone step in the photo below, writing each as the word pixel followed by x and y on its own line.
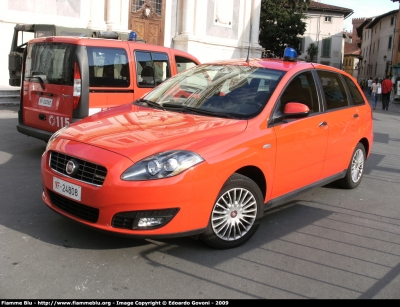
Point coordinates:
pixel 9 95
pixel 8 92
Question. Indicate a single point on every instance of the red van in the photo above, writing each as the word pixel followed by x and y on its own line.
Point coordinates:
pixel 66 79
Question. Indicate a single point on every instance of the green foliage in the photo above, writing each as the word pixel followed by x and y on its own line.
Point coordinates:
pixel 312 52
pixel 281 24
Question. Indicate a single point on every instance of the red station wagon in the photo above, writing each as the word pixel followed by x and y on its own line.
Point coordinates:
pixel 210 150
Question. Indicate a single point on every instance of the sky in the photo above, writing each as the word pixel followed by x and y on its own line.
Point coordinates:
pixel 363 8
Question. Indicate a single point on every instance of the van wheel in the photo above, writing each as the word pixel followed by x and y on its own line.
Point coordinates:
pixel 355 170
pixel 236 213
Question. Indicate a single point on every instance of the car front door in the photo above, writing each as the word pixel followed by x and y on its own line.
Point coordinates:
pixel 301 143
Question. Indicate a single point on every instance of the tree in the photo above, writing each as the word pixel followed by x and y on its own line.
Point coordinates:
pixel 281 24
pixel 312 52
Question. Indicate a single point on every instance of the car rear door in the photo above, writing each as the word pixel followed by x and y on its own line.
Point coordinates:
pixel 342 120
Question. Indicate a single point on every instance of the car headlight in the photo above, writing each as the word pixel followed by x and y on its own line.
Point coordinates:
pixel 162 165
pixel 55 136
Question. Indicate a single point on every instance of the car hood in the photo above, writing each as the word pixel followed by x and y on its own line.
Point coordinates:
pixel 137 132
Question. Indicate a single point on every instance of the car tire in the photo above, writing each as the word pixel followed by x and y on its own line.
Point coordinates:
pixel 355 170
pixel 236 213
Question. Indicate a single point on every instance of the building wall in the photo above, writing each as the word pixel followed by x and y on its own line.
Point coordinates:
pixel 375 46
pixel 36 11
pixel 350 64
pixel 198 33
pixel 318 29
pixel 352 51
pixel 189 25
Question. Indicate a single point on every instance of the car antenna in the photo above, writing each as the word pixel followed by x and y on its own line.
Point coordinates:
pixel 248 50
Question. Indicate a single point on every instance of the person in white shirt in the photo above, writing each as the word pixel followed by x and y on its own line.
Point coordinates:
pixel 374 91
pixel 369 85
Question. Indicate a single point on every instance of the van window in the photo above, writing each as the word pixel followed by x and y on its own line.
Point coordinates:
pixel 183 63
pixel 51 62
pixel 108 67
pixel 152 68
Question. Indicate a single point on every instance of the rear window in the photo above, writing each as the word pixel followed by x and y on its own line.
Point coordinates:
pixel 51 63
pixel 354 92
pixel 108 67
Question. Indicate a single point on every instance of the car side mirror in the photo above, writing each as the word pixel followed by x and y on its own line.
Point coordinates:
pixel 292 110
pixel 295 110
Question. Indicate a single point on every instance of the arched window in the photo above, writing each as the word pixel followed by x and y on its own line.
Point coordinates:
pixel 137 5
pixel 156 5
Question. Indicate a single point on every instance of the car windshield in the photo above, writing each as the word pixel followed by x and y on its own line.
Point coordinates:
pixel 217 90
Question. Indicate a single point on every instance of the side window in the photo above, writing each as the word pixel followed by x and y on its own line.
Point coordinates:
pixel 333 89
pixel 354 92
pixel 183 63
pixel 162 69
pixel 108 67
pixel 152 68
pixel 301 89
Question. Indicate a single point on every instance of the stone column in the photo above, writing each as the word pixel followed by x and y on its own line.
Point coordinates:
pixel 113 15
pixel 188 17
pixel 256 49
pixel 125 15
pixel 97 9
pixel 255 21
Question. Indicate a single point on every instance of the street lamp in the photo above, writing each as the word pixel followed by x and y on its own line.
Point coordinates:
pixel 384 58
pixel 365 66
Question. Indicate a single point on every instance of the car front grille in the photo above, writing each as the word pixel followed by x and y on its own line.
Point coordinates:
pixel 76 209
pixel 87 172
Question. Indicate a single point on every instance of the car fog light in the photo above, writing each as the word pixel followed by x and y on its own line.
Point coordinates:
pixel 149 222
pixel 147 219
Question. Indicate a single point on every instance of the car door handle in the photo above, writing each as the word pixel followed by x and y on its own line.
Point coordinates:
pixel 355 115
pixel 323 124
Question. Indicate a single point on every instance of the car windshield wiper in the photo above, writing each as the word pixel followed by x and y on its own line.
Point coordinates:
pixel 172 105
pixel 149 103
pixel 197 111
pixel 40 81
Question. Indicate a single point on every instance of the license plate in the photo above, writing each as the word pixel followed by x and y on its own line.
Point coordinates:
pixel 67 189
pixel 45 102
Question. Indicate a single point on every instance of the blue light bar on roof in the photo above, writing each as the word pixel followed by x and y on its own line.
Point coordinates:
pixel 290 54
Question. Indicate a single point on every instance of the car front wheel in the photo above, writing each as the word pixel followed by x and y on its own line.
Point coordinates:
pixel 236 214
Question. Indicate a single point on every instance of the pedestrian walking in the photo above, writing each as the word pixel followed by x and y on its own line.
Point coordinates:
pixel 374 91
pixel 369 82
pixel 387 89
pixel 379 90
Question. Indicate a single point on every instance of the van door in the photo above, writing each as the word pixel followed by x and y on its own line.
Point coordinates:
pixel 109 78
pixel 47 98
pixel 152 68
